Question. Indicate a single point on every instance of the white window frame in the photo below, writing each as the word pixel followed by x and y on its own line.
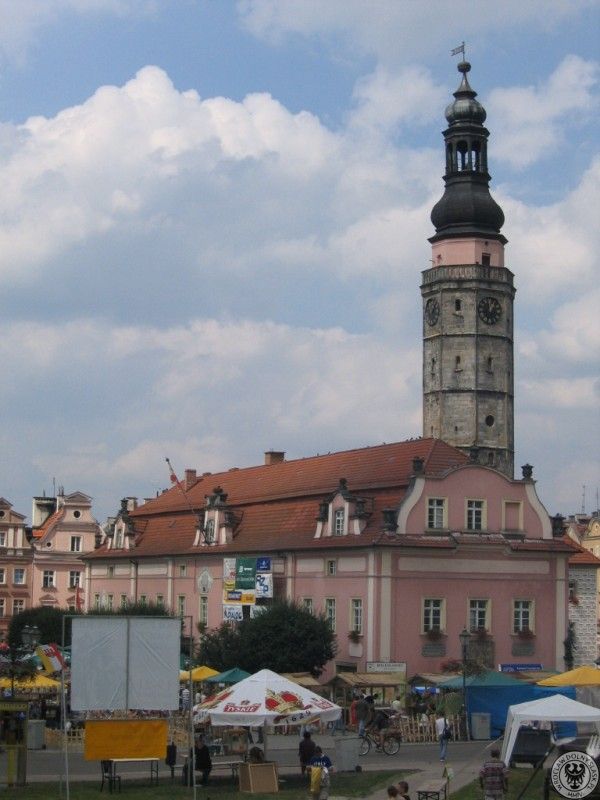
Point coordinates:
pixel 307 603
pixel 435 505
pixel 118 539
pixel 110 571
pixel 433 613
pixel 74 578
pixel 476 606
pixel 49 579
pixel 331 566
pixel 475 512
pixel 143 599
pixel 20 570
pixel 96 601
pixel 356 615
pixel 110 599
pixel 2 607
pixel 76 542
pixel 182 570
pixel 330 612
pixel 2 576
pixel 2 538
pixel 209 532
pixel 160 600
pixel 181 605
pixel 18 605
pixel 339 522
pixel 123 601
pixel 517 625
pixel 203 609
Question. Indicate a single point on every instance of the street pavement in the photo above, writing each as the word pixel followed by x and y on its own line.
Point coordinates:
pixel 464 759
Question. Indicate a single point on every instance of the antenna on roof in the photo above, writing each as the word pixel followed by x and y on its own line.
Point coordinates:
pixel 583 499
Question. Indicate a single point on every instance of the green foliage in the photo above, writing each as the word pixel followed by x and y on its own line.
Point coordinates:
pixel 570 646
pixel 284 638
pixel 132 610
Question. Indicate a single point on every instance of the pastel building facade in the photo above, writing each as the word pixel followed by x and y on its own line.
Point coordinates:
pixel 15 565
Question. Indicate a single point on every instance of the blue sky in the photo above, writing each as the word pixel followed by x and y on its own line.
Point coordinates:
pixel 214 217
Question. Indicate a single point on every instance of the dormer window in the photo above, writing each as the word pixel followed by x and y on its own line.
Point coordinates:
pixel 209 532
pixel 339 518
pixel 119 539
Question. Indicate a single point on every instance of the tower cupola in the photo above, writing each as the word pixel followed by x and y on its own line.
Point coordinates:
pixel 467 207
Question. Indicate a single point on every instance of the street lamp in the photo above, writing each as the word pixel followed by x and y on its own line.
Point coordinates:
pixel 465 638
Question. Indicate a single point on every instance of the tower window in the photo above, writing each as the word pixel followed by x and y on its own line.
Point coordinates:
pixel 489 364
pixel 485 259
pixel 489 420
pixel 490 459
pixel 457 304
pixel 457 364
pixel 433 366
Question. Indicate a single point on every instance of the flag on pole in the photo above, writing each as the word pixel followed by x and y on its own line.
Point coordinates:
pixel 174 478
pixel 457 50
pixel 51 657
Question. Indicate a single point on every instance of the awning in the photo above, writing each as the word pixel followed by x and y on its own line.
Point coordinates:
pixel 581 676
pixel 364 680
pixel 198 674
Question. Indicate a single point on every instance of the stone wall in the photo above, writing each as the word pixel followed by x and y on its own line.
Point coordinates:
pixel 583 614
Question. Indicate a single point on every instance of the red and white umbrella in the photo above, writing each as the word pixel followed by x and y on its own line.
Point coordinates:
pixel 266 698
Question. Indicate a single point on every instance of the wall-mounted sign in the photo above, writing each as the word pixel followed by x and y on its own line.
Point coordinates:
pixel 263 564
pixel 264 584
pixel 386 666
pixel 245 573
pixel 520 667
pixel 233 613
pixel 229 573
pixel 255 611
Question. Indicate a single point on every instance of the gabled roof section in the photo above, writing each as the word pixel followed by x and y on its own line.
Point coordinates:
pixel 5 505
pixel 583 557
pixel 46 527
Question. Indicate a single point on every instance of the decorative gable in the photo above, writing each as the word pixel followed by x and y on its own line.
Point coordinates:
pixel 342 513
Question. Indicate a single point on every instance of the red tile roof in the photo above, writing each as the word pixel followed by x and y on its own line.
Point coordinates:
pixel 39 533
pixel 583 557
pixel 277 504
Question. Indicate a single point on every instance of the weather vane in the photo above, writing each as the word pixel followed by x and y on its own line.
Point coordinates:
pixel 459 49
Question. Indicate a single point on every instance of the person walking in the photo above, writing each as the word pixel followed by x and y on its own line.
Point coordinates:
pixel 306 750
pixel 202 759
pixel 363 712
pixel 442 732
pixel 493 777
pixel 320 772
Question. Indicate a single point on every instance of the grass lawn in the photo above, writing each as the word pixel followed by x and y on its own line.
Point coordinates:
pixel 357 784
pixel 517 780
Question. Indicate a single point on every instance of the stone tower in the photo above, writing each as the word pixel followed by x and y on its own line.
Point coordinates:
pixel 468 300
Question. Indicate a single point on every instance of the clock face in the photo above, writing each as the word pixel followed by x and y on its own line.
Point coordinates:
pixel 432 311
pixel 489 310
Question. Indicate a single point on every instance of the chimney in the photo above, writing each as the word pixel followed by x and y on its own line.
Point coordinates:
pixel 190 478
pixel 274 457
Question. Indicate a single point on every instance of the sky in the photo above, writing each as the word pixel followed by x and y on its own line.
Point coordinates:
pixel 214 218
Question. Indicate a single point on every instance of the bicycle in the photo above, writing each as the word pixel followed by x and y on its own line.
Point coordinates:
pixel 391 743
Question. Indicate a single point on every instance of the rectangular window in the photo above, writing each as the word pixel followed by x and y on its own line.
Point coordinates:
pixel 433 614
pixel 109 601
pixel 475 515
pixel 182 570
pixel 143 599
pixel 18 606
pixel 356 615
pixel 479 618
pixel 123 601
pixel 76 544
pixel 339 519
pixel 110 572
pixel 512 516
pixel 74 579
pixel 96 601
pixel 436 507
pixel 331 567
pixel 19 576
pixel 209 532
pixel 181 605
pixel 522 616
pixel 203 609
pixel 160 600
pixel 330 612
pixel 307 602
pixel 2 538
pixel 2 575
pixel 48 579
pixel 2 606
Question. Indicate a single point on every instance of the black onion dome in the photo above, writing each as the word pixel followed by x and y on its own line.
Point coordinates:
pixel 465 108
pixel 467 207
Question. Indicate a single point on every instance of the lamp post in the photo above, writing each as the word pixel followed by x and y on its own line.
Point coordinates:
pixel 465 638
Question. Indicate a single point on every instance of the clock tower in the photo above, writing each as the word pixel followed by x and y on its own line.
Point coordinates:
pixel 468 300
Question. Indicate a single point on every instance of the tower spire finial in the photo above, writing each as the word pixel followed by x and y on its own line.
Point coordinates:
pixel 460 49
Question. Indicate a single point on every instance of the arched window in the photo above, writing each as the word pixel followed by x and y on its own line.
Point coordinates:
pixel 339 518
pixel 209 533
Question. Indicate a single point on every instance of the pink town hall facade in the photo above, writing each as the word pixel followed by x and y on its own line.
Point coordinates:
pixel 401 545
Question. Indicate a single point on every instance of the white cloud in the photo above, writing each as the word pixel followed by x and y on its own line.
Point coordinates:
pixel 396 31
pixel 529 121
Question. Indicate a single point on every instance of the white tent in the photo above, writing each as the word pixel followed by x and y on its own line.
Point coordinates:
pixel 266 698
pixel 556 708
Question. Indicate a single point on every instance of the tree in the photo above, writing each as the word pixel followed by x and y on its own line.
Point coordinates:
pixel 286 637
